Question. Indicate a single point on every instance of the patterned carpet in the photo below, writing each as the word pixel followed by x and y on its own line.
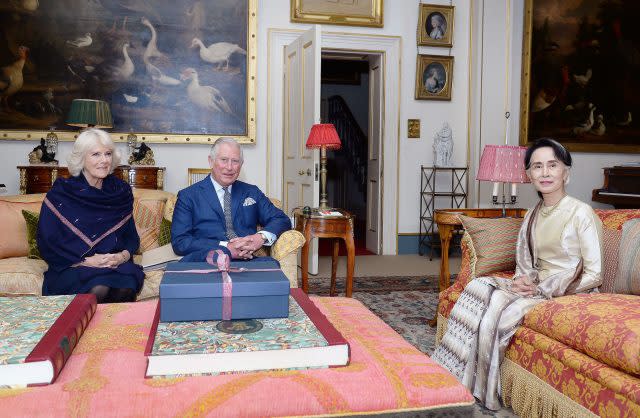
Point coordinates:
pixel 406 304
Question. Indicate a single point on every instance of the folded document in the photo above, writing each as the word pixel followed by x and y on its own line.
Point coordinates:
pixel 157 258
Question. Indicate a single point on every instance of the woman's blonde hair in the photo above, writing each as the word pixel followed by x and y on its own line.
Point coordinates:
pixel 88 139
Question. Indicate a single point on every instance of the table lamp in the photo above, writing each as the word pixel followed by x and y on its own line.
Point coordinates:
pixel 89 113
pixel 323 136
pixel 503 164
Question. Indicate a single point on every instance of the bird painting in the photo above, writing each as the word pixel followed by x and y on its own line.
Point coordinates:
pixel 599 128
pixel 151 50
pixel 218 53
pixel 82 41
pixel 130 99
pixel 207 97
pixel 11 79
pixel 126 69
pixel 159 77
pixel 585 126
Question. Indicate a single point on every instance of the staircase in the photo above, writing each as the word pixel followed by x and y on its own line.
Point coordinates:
pixel 354 141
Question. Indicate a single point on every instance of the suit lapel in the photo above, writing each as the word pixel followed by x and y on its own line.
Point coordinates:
pixel 237 197
pixel 211 197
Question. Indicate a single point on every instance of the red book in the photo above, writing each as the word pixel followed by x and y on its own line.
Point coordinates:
pixel 306 339
pixel 42 333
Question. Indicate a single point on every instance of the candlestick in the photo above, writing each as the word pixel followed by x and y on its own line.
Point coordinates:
pixel 514 189
pixel 495 188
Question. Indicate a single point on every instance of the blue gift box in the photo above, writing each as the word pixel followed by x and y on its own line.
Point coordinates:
pixel 198 296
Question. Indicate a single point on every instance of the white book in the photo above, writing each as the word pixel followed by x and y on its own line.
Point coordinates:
pixel 157 258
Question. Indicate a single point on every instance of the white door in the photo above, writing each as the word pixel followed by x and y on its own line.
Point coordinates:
pixel 374 164
pixel 301 110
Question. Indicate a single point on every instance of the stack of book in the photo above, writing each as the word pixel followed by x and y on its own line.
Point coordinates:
pixel 306 339
pixel 38 334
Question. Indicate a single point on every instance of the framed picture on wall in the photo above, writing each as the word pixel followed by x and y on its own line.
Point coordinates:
pixel 334 12
pixel 172 71
pixel 580 80
pixel 433 77
pixel 435 25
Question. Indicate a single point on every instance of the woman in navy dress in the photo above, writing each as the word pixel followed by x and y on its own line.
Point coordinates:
pixel 86 232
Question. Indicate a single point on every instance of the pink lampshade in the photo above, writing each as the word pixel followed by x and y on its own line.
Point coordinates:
pixel 503 163
pixel 323 134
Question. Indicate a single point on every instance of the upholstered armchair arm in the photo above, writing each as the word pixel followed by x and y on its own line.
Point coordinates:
pixel 289 242
pixel 285 250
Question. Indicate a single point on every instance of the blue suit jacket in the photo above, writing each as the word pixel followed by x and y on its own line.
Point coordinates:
pixel 198 219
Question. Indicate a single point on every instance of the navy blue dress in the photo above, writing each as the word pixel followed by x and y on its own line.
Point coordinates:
pixel 78 221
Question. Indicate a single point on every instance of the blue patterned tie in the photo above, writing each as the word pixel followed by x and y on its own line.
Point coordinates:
pixel 227 214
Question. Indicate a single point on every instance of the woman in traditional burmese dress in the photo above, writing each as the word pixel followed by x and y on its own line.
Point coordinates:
pixel 86 232
pixel 558 253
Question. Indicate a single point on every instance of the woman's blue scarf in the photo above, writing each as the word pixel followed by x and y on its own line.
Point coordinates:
pixel 76 217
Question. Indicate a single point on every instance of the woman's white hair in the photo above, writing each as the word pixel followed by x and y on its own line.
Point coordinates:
pixel 88 139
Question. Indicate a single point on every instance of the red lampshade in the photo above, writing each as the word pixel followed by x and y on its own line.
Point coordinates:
pixel 504 163
pixel 323 134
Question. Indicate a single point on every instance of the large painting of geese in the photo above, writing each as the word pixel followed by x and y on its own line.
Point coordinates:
pixel 171 70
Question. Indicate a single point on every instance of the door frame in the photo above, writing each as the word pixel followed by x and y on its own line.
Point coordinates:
pixel 389 47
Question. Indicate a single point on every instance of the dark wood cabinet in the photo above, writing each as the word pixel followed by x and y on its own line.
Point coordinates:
pixel 38 178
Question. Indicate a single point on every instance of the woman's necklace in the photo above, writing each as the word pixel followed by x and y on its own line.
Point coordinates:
pixel 548 210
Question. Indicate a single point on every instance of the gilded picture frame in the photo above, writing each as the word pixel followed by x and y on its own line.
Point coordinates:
pixel 578 84
pixel 140 57
pixel 434 75
pixel 350 13
pixel 435 25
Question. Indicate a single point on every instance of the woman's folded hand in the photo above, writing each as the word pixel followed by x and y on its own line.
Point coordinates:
pixel 524 286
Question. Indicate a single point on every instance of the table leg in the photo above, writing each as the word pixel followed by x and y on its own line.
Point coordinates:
pixel 351 261
pixel 334 265
pixel 446 232
pixel 305 261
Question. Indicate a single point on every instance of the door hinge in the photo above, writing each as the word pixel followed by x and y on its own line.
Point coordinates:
pixel 316 171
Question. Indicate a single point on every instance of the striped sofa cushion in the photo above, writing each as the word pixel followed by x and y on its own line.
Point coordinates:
pixel 494 243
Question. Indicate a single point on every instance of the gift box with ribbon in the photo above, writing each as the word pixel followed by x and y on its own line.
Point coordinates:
pixel 237 290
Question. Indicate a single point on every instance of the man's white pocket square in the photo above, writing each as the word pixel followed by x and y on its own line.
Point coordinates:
pixel 249 201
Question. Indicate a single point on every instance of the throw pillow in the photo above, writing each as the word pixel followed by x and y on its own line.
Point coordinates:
pixel 628 277
pixel 494 243
pixel 147 215
pixel 31 218
pixel 611 246
pixel 13 240
pixel 164 237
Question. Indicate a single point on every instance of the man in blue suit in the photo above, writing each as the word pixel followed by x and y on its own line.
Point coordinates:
pixel 221 212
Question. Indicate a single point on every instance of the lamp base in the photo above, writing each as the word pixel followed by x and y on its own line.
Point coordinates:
pixel 504 203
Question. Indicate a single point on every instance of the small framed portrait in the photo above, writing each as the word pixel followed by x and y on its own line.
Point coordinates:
pixel 435 25
pixel 433 77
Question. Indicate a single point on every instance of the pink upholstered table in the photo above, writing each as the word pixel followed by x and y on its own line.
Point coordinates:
pixel 105 377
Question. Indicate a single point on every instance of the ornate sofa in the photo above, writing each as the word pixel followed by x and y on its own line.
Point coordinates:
pixel 572 356
pixel 153 210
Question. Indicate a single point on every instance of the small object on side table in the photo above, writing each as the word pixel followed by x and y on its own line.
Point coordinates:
pixel 315 225
pixel 41 154
pixel 142 156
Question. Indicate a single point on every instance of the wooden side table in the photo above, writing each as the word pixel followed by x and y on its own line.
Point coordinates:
pixel 336 227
